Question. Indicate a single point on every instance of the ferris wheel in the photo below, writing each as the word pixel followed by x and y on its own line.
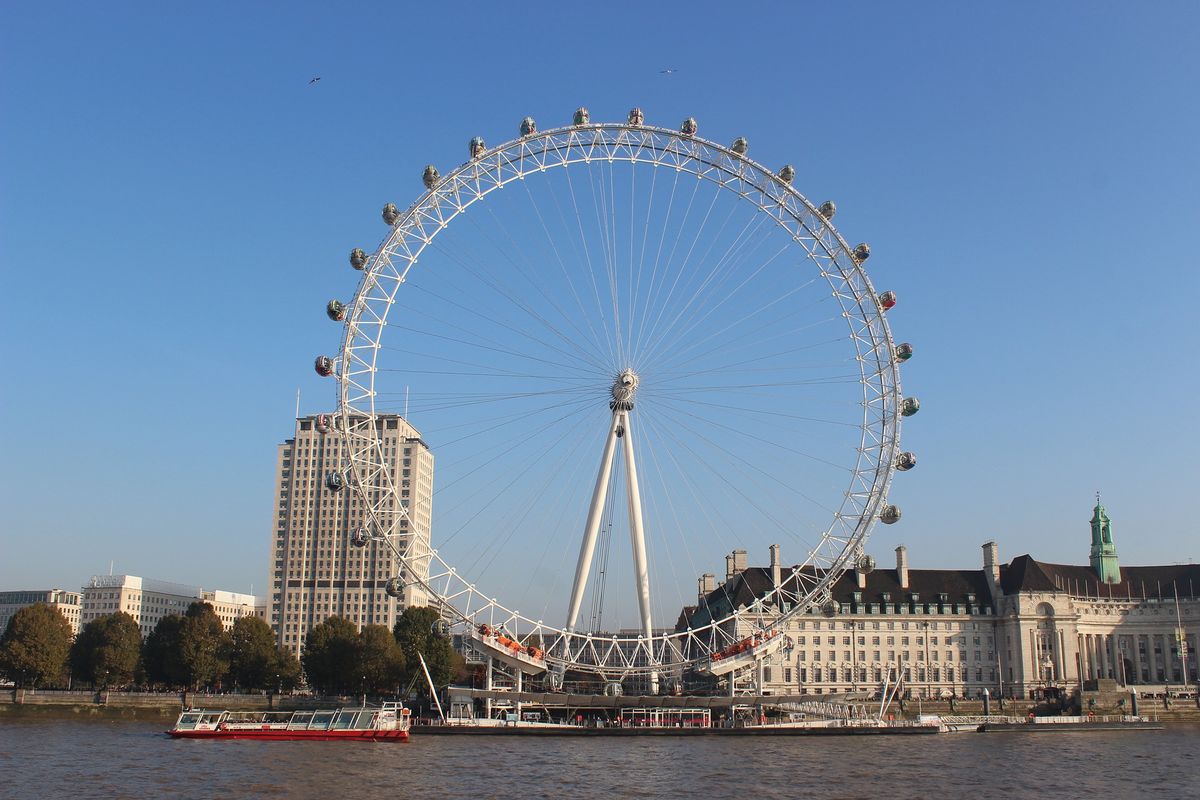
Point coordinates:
pixel 605 331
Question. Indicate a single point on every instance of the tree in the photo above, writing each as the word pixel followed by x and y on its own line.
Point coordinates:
pixel 107 651
pixel 381 662
pixel 286 671
pixel 160 653
pixel 34 647
pixel 252 654
pixel 330 656
pixel 203 646
pixel 414 632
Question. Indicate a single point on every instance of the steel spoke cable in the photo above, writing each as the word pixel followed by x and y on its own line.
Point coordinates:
pixel 579 352
pixel 595 337
pixel 592 272
pixel 513 300
pixel 655 279
pixel 752 225
pixel 706 463
pixel 719 333
pixel 683 265
pixel 700 502
pixel 536 458
pixel 709 287
pixel 760 439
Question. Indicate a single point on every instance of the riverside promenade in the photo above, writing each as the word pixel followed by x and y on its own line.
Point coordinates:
pixel 169 704
pixel 151 704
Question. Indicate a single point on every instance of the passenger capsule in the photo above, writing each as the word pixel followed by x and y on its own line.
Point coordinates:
pixel 336 310
pixel 865 564
pixel 358 257
pixel 431 176
pixel 830 608
pixel 440 629
pixel 688 128
pixel 828 209
pixel 787 174
pixel 334 481
pixel 906 461
pixel 322 424
pixel 581 116
pixel 862 252
pixel 360 537
pixel 636 117
pixel 394 587
pixel 740 145
pixel 391 214
pixel 910 406
pixel 528 127
pixel 890 515
pixel 477 147
pixel 887 300
pixel 324 366
pixel 904 351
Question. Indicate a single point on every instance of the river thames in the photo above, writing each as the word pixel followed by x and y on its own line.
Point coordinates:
pixel 98 758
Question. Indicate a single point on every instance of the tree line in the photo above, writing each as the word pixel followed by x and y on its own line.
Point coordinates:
pixel 194 651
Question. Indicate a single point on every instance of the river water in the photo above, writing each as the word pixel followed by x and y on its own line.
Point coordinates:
pixel 96 758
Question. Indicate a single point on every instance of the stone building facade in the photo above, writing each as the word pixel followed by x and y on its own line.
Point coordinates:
pixel 65 601
pixel 148 601
pixel 1013 629
pixel 315 571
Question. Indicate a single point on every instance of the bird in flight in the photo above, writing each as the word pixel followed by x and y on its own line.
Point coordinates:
pixel 671 71
pixel 314 80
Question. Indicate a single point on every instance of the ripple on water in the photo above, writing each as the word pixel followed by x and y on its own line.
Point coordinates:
pixel 73 758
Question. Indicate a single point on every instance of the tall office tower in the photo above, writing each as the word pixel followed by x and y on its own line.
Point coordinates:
pixel 316 572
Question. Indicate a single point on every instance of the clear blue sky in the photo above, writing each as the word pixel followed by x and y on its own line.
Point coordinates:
pixel 176 204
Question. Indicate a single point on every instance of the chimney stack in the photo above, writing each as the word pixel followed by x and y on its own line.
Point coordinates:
pixel 705 585
pixel 862 578
pixel 729 570
pixel 776 567
pixel 991 565
pixel 902 566
pixel 739 561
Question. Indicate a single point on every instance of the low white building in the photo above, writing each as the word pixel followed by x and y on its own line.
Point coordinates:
pixel 66 602
pixel 148 601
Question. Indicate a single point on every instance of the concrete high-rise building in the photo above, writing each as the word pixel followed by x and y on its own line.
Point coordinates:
pixel 66 602
pixel 148 601
pixel 315 571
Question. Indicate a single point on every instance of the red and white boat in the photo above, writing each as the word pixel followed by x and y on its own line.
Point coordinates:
pixel 386 723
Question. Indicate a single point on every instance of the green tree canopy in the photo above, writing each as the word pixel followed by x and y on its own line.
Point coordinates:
pixel 35 645
pixel 285 670
pixel 381 662
pixel 415 634
pixel 330 657
pixel 252 654
pixel 160 654
pixel 203 646
pixel 107 651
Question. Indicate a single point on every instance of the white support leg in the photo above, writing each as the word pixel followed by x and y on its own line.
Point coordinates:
pixel 637 536
pixel 592 528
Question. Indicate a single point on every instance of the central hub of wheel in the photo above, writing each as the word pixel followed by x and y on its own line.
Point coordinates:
pixel 624 386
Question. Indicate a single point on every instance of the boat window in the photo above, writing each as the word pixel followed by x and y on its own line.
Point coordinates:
pixel 322 719
pixel 345 720
pixel 301 719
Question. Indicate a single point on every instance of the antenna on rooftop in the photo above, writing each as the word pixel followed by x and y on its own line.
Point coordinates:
pixel 297 403
pixel 110 567
pixel 406 403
